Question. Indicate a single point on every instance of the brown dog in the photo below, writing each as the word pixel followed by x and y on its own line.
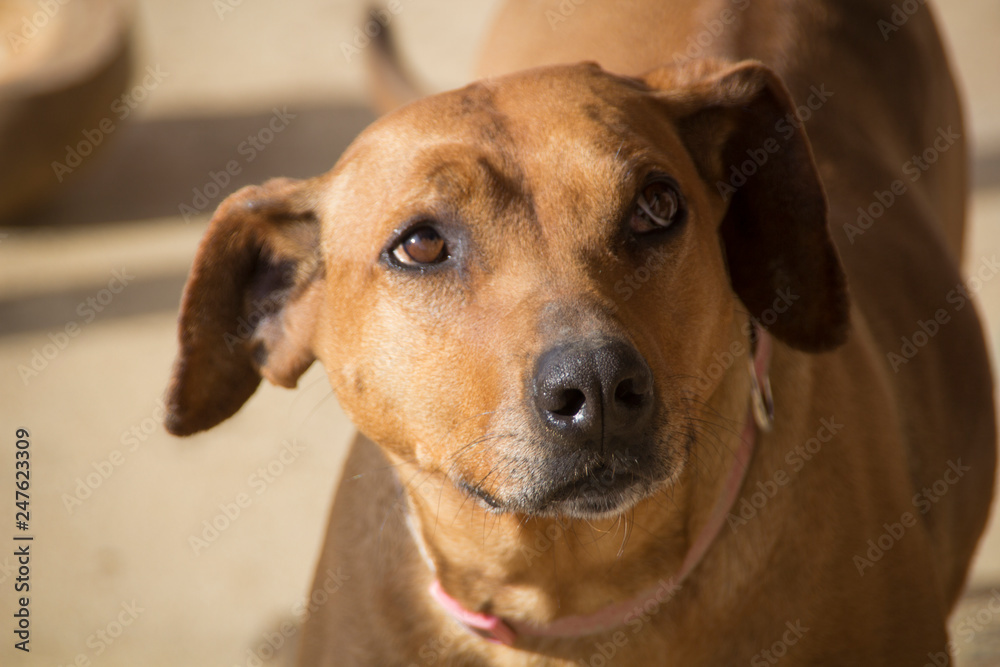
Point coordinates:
pixel 552 302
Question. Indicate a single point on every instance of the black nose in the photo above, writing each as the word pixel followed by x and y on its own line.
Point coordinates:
pixel 594 394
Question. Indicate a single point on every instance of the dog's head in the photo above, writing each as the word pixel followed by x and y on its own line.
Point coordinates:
pixel 519 286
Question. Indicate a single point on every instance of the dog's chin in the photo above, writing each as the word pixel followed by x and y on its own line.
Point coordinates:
pixel 605 504
pixel 595 495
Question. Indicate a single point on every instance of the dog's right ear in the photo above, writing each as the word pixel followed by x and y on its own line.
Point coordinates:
pixel 774 232
pixel 249 305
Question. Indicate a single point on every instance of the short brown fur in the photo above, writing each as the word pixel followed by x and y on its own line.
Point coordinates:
pixel 531 176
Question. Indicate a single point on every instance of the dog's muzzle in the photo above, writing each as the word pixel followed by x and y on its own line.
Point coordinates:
pixel 593 403
pixel 594 396
pixel 590 446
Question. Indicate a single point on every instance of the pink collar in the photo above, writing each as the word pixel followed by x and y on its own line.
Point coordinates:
pixel 502 631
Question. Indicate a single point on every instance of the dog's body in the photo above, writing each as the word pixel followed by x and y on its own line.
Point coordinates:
pixel 860 510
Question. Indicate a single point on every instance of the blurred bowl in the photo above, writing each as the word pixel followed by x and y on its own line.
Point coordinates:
pixel 63 64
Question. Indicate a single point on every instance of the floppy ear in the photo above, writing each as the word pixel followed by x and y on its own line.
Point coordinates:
pixel 740 126
pixel 249 305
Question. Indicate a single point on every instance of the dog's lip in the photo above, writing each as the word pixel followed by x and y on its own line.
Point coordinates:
pixel 599 490
pixel 488 499
pixel 603 481
pixel 602 492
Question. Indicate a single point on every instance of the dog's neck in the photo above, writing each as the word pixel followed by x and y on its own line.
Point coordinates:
pixel 575 576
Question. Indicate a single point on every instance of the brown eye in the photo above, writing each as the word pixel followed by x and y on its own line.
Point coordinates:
pixel 657 207
pixel 422 246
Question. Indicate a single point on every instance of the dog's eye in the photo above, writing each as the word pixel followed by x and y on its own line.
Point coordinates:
pixel 657 207
pixel 422 246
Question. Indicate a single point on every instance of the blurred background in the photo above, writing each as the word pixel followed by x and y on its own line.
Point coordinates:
pixel 151 550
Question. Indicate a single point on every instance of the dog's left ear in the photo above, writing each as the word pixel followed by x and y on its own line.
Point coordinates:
pixel 740 126
pixel 249 306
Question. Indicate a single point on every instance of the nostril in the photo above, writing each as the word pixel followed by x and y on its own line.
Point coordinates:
pixel 572 402
pixel 592 391
pixel 631 395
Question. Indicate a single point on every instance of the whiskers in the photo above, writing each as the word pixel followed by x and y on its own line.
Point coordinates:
pixel 499 470
pixel 701 427
pixel 626 520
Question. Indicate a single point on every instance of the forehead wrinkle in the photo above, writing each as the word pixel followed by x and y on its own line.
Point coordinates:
pixel 587 182
pixel 581 178
pixel 458 172
pixel 508 184
pixel 503 166
pixel 480 121
pixel 478 111
pixel 479 188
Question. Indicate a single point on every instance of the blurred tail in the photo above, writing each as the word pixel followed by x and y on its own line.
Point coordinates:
pixel 390 83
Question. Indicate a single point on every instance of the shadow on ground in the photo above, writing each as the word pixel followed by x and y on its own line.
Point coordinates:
pixel 151 169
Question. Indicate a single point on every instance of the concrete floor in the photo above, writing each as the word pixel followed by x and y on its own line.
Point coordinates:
pixel 118 577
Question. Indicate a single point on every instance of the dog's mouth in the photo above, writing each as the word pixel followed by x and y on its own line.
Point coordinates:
pixel 602 481
pixel 599 491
